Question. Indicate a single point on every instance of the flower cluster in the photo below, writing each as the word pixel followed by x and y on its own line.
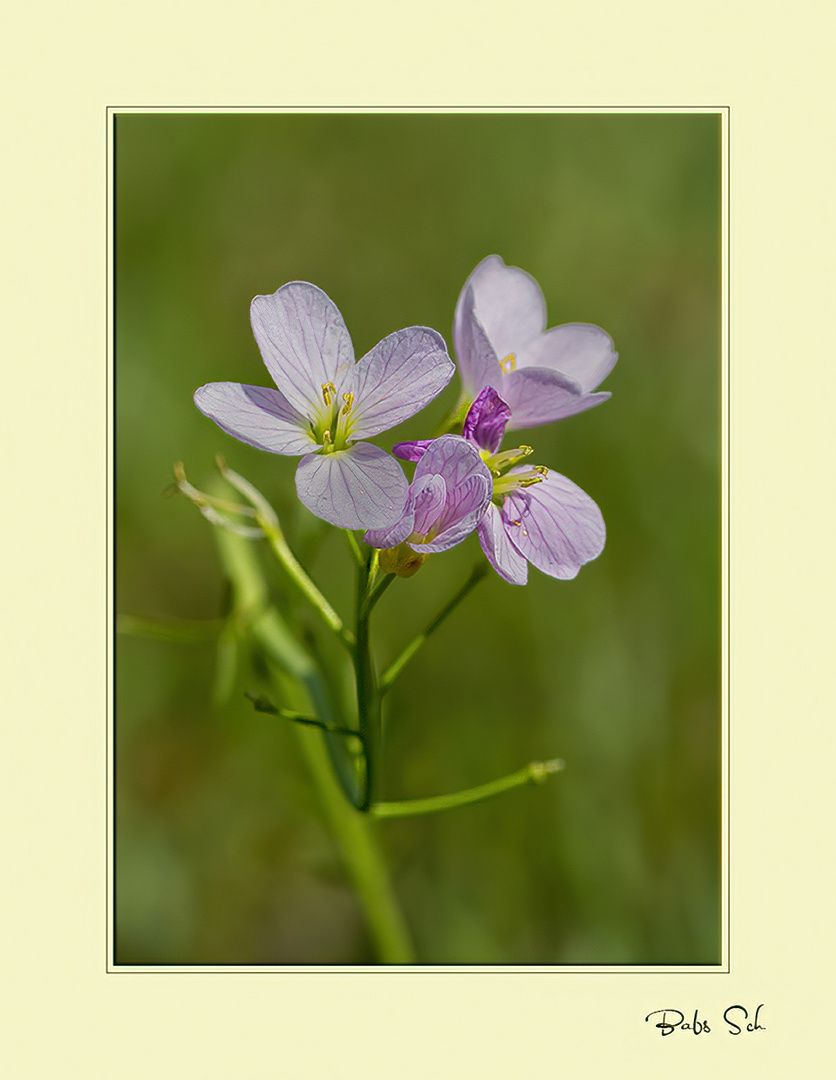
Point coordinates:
pixel 515 374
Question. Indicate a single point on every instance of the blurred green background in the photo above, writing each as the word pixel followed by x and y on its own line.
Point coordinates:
pixel 222 855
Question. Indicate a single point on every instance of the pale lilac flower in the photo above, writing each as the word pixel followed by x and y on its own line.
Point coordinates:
pixel 448 495
pixel 326 403
pixel 535 515
pixel 501 340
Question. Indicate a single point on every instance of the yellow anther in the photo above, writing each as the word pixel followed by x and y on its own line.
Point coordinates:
pixel 329 391
pixel 509 363
pixel 349 402
pixel 544 472
pixel 326 437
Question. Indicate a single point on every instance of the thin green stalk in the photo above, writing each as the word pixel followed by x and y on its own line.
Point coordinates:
pixel 375 593
pixel 368 697
pixel 535 773
pixel 355 547
pixel 399 663
pixel 293 673
pixel 357 838
pixel 266 519
pixel 455 417
pixel 264 705
pixel 277 542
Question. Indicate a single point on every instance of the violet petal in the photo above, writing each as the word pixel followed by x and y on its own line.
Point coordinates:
pixel 498 549
pixel 397 378
pixel 359 488
pixel 452 457
pixel 555 525
pixel 428 496
pixel 584 353
pixel 395 534
pixel 478 361
pixel 467 488
pixel 463 511
pixel 303 341
pixel 508 303
pixel 411 451
pixel 539 395
pixel 486 420
pixel 256 415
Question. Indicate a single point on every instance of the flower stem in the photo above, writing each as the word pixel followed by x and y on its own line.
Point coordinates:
pixel 267 520
pixel 355 547
pixel 296 680
pixel 534 773
pixel 368 695
pixel 399 663
pixel 376 591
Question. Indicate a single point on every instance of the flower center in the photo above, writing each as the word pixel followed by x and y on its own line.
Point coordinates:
pixel 504 482
pixel 332 425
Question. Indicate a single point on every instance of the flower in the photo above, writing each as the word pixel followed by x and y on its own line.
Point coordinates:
pixel 326 404
pixel 499 331
pixel 534 515
pixel 447 498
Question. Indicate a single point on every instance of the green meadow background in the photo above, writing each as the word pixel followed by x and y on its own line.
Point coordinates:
pixel 222 854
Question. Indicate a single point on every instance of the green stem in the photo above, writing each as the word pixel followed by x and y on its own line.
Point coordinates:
pixel 293 673
pixel 277 542
pixel 264 705
pixel 455 417
pixel 266 518
pixel 535 773
pixel 375 593
pixel 357 838
pixel 355 547
pixel 368 697
pixel 396 667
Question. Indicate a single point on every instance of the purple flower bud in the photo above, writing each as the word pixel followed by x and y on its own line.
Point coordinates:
pixel 485 423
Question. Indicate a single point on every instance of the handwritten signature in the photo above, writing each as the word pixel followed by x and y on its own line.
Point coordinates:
pixel 737 1018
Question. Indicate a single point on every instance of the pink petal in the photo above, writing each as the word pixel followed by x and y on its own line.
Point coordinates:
pixel 555 525
pixel 397 378
pixel 508 303
pixel 303 341
pixel 256 415
pixel 584 353
pixel 500 552
pixel 359 488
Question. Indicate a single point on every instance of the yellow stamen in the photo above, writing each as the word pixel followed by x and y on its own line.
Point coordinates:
pixel 349 402
pixel 329 391
pixel 509 363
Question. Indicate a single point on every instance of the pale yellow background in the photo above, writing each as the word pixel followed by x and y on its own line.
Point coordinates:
pixel 62 65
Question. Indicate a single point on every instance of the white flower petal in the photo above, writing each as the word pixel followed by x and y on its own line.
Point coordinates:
pixel 304 342
pixel 555 525
pixel 397 378
pixel 500 552
pixel 508 303
pixel 581 351
pixel 359 488
pixel 256 415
